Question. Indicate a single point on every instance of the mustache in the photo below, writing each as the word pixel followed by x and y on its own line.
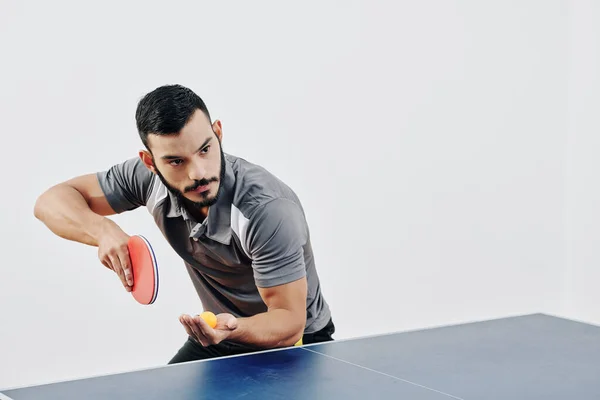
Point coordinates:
pixel 201 182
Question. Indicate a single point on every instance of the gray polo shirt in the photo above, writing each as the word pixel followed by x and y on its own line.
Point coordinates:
pixel 256 235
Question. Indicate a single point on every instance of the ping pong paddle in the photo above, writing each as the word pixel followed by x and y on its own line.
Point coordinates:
pixel 144 270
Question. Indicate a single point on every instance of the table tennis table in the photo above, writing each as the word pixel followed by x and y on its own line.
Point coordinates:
pixel 532 357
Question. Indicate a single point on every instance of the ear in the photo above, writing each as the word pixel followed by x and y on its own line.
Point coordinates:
pixel 218 129
pixel 146 158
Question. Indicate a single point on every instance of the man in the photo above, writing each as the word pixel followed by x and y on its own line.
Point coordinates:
pixel 240 231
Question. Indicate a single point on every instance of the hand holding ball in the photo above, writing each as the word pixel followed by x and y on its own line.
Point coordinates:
pixel 210 318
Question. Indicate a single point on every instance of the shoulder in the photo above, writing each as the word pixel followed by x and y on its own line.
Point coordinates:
pixel 127 185
pixel 257 189
pixel 266 212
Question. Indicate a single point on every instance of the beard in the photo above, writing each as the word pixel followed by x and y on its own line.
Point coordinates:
pixel 208 201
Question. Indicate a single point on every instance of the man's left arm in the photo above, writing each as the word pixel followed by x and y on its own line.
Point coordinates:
pixel 282 324
pixel 274 238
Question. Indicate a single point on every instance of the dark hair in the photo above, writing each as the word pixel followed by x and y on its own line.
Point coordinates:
pixel 166 110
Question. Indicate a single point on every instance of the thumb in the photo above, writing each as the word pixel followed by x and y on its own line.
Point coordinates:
pixel 231 323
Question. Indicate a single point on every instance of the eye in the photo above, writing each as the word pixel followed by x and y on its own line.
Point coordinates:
pixel 205 150
pixel 175 163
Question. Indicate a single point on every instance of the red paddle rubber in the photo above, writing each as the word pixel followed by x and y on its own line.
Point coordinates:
pixel 144 270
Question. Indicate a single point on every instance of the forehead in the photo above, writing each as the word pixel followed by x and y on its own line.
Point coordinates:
pixel 193 134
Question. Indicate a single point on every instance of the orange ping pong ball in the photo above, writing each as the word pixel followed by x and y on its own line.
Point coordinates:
pixel 210 318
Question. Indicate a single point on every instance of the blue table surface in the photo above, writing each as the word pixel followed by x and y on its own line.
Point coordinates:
pixel 528 357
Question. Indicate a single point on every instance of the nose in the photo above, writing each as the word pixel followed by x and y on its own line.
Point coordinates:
pixel 197 170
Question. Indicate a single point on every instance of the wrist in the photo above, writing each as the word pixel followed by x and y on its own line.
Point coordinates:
pixel 237 334
pixel 98 226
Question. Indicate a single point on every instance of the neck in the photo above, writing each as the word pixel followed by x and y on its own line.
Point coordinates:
pixel 198 213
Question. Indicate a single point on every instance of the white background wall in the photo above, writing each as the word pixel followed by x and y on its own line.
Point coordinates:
pixel 582 274
pixel 426 140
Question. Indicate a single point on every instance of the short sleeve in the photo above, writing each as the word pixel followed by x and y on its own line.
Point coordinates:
pixel 126 185
pixel 276 237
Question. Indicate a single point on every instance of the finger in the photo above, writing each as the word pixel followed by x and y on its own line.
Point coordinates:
pixel 203 326
pixel 107 264
pixel 123 256
pixel 119 270
pixel 187 327
pixel 200 335
pixel 197 331
pixel 113 264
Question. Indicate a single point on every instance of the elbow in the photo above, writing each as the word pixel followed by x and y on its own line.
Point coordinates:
pixel 41 204
pixel 296 333
pixel 294 339
pixel 44 201
pixel 38 207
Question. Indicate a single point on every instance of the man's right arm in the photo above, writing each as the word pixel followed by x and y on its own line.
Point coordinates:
pixel 77 210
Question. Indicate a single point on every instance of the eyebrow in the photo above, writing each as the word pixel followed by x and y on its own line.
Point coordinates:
pixel 169 157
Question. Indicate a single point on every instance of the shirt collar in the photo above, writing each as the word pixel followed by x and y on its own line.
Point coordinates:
pixel 217 225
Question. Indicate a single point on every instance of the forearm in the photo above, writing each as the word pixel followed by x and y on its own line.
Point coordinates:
pixel 272 329
pixel 66 213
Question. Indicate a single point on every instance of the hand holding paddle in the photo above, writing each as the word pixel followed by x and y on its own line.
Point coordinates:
pixel 132 258
pixel 114 254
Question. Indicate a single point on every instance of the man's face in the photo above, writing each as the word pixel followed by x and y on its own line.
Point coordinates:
pixel 191 164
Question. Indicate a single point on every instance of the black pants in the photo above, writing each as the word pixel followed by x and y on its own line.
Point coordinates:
pixel 192 350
